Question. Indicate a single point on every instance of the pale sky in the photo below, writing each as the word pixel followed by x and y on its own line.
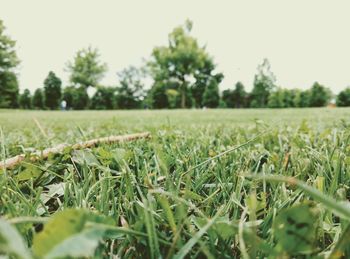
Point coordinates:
pixel 305 40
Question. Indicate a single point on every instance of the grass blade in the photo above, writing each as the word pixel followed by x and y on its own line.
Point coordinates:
pixel 190 243
pixel 337 208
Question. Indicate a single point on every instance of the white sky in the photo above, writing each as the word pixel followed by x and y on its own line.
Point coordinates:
pixel 305 40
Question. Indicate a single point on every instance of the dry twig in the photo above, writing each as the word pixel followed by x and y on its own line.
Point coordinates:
pixel 13 161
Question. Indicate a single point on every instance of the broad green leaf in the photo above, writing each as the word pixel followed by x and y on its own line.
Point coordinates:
pixel 225 229
pixel 83 244
pixel 295 229
pixel 11 243
pixel 121 154
pixel 64 226
pixel 100 219
pixel 85 157
pixel 53 190
pixel 60 227
pixel 31 172
pixel 222 227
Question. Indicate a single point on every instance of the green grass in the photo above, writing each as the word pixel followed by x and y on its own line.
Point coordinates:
pixel 178 194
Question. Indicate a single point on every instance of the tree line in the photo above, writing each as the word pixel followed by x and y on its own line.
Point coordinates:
pixel 183 75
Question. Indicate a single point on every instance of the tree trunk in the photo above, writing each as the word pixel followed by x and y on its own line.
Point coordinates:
pixel 183 94
pixel 183 98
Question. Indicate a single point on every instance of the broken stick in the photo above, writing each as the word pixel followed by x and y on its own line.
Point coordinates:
pixel 13 161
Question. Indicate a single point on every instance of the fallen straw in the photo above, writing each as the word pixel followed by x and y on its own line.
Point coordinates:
pixel 13 161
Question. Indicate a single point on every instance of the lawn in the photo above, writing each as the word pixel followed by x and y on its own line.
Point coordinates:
pixel 20 127
pixel 208 183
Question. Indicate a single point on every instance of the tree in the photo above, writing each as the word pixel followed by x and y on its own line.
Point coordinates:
pixel 319 95
pixel 86 69
pixel 104 98
pixel 284 98
pixel 297 98
pixel 157 97
pixel 277 99
pixel 167 96
pixel 130 92
pixel 211 97
pixel 173 98
pixel 227 98
pixel 304 99
pixel 81 99
pixel 222 104
pixel 38 99
pixel 68 96
pixel 52 91
pixel 183 64
pixel 343 98
pixel 76 97
pixel 202 79
pixel 9 89
pixel 264 83
pixel 25 100
pixel 290 97
pixel 239 95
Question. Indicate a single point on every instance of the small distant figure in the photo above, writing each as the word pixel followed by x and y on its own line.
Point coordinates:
pixel 63 105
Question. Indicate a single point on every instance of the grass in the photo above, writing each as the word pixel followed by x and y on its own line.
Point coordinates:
pixel 210 183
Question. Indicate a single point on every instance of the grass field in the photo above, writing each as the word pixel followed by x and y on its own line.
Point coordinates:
pixel 209 183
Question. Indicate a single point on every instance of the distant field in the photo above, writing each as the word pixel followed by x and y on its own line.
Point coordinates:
pixel 177 194
pixel 63 126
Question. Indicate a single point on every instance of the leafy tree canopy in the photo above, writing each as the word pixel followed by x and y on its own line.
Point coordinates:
pixel 211 97
pixel 264 83
pixel 182 63
pixel 343 98
pixel 9 89
pixel 52 91
pixel 76 98
pixel 104 98
pixel 86 69
pixel 25 100
pixel 130 92
pixel 8 56
pixel 38 99
pixel 319 95
pixel 239 95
